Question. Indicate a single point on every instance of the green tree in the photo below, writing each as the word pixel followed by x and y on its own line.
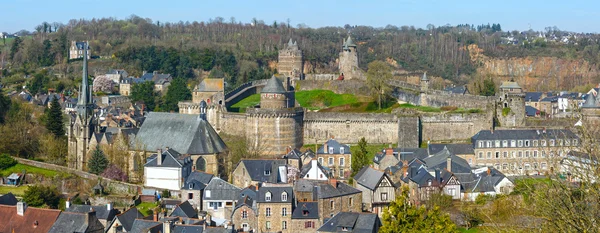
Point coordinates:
pixel 6 161
pixel 177 91
pixel 402 216
pixel 98 162
pixel 4 106
pixel 42 196
pixel 54 119
pixel 360 157
pixel 14 49
pixel 378 76
pixel 144 92
pixel 489 87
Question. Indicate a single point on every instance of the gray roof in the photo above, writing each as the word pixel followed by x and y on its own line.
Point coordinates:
pixel 424 78
pixel 185 133
pixel 369 177
pixel 221 190
pixel 217 230
pixel 533 96
pixel 129 217
pixel 508 85
pixel 293 154
pixel 73 222
pixel 188 229
pixel 274 85
pixel 457 90
pixel 276 193
pixel 306 168
pixel 440 160
pixel 141 225
pixel 353 222
pixel 256 169
pixel 324 188
pixel 306 210
pixel 156 78
pixel 170 158
pixel 459 149
pixel 524 134
pixel 531 111
pixel 198 180
pixel 421 177
pixel 184 209
pixel 101 211
pixel 590 102
pixel 349 42
pixel 8 199
pixel 336 147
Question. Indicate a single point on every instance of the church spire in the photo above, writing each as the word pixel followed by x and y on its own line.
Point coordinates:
pixel 84 95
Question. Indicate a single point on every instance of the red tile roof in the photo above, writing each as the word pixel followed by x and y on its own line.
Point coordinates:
pixel 10 221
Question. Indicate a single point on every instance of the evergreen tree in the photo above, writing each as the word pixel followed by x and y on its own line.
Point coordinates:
pixel 98 162
pixel 177 91
pixel 15 47
pixel 489 88
pixel 4 106
pixel 144 92
pixel 402 216
pixel 360 157
pixel 54 119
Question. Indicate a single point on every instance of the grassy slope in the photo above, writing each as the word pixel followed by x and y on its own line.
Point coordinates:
pixel 29 169
pixel 17 191
pixel 250 101
pixel 313 100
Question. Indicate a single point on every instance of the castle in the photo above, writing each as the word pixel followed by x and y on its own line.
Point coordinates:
pixel 348 61
pixel 290 62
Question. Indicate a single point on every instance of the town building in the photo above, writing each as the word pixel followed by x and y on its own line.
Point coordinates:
pixel 378 189
pixel 332 196
pixel 336 157
pixel 257 171
pixel 21 218
pixel 510 106
pixel 77 222
pixel 104 213
pixel 275 205
pixel 352 222
pixel 305 217
pixel 314 171
pixel 124 222
pixel 78 50
pixel 220 198
pixel 167 169
pixel 211 91
pixel 245 214
pixel 193 188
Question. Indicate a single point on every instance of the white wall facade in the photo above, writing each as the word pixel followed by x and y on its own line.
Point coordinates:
pixel 163 177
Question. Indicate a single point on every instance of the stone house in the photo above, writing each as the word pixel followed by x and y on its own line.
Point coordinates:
pixel 116 75
pixel 167 170
pixel 193 188
pixel 421 185
pixel 220 198
pixel 105 214
pixel 314 171
pixel 77 222
pixel 450 184
pixel 21 218
pixel 464 151
pixel 332 196
pixel 77 49
pixel 305 217
pixel 184 210
pixel 256 171
pixel 124 221
pixel 523 151
pixel 392 156
pixel 549 105
pixel 485 181
pixel 533 99
pixel 245 214
pixel 336 157
pixel 275 205
pixel 307 156
pixel 352 222
pixel 378 189
pixel 294 158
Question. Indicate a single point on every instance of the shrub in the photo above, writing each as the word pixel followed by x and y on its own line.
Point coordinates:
pixel 38 196
pixel 505 111
pixel 6 161
pixel 115 173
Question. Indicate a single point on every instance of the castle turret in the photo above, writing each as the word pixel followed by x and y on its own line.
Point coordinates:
pixel 348 61
pixel 274 95
pixel 510 108
pixel 424 83
pixel 290 63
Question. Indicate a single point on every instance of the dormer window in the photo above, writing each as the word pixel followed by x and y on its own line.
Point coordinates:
pixel 268 196
pixel 207 193
pixel 341 150
pixel 267 172
pixel 191 186
pixel 330 150
pixel 429 182
pixel 284 196
pixel 305 213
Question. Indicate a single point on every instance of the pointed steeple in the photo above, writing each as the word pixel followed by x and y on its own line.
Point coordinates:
pixel 424 78
pixel 84 89
pixel 290 43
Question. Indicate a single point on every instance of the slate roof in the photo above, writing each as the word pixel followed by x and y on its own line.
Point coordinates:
pixel 101 211
pixel 155 77
pixel 217 230
pixel 533 96
pixel 274 85
pixel 508 85
pixel 550 99
pixel 459 149
pixel 275 194
pixel 185 133
pixel 422 177
pixel 336 147
pixel 590 101
pixel 310 208
pixel 457 90
pixel 221 190
pixel 355 222
pixel 8 199
pixel 44 217
pixel 349 42
pixel 170 158
pixel 128 217
pixel 73 222
pixel 306 168
pixel 369 177
pixel 531 111
pixel 293 154
pixel 141 225
pixel 324 188
pixel 523 134
pixel 188 229
pixel 256 169
pixel 211 85
pixel 184 209
pixel 439 160
pixel 308 153
pixel 198 180
pixel 424 77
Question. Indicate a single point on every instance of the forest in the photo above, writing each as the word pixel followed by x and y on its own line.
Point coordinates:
pixel 243 51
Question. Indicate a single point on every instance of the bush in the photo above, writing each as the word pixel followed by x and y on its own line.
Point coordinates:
pixel 40 196
pixel 6 161
pixel 483 199
pixel 505 111
pixel 115 173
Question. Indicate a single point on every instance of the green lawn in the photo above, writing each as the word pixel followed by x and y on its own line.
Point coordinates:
pixel 319 99
pixel 30 170
pixel 420 108
pixel 146 208
pixel 17 191
pixel 250 101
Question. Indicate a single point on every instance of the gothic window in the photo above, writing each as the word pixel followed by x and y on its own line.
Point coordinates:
pixel 201 164
pixel 284 197
pixel 268 196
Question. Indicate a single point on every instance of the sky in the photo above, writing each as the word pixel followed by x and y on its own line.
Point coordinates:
pixel 573 15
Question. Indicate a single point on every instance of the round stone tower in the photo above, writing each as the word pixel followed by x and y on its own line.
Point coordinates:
pixel 277 124
pixel 510 108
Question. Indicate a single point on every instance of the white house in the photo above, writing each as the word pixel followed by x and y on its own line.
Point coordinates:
pixel 579 167
pixel 314 171
pixel 486 181
pixel 167 170
pixel 220 198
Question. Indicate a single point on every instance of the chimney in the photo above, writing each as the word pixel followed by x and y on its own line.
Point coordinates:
pixel 315 193
pixel 167 227
pixel 109 206
pixel 437 174
pixel 68 203
pixel 159 156
pixel 325 148
pixel 413 171
pixel 333 182
pixel 155 217
pixel 90 216
pixel 489 171
pixel 389 151
pixel 449 163
pixel 287 150
pixel 21 207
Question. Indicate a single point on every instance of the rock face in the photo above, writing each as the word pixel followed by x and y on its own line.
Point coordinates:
pixel 537 73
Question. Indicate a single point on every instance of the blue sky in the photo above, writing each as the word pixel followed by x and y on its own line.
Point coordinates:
pixel 573 15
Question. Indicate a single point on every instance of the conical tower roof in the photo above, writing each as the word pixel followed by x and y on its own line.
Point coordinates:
pixel 424 78
pixel 274 86
pixel 290 43
pixel 349 42
pixel 590 101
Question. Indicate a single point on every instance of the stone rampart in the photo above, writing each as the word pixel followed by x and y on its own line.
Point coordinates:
pixel 356 87
pixel 454 126
pixel 231 123
pixel 438 99
pixel 350 127
pixel 321 77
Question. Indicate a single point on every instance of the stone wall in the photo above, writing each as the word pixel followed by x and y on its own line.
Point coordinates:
pixel 230 123
pixel 440 98
pixel 454 127
pixel 409 132
pixel 350 127
pixel 271 131
pixel 356 87
pixel 321 77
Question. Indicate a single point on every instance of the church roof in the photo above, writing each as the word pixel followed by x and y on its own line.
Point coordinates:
pixel 590 101
pixel 274 85
pixel 187 134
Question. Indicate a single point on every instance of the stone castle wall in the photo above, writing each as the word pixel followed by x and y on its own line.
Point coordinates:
pixel 350 127
pixel 436 98
pixel 454 127
pixel 271 131
pixel 321 77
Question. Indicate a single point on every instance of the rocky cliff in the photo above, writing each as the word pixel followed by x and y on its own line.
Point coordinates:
pixel 537 73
